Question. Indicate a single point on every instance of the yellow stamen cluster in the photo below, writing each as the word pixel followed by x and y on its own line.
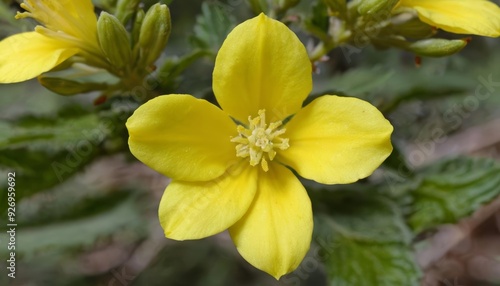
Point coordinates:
pixel 60 22
pixel 260 138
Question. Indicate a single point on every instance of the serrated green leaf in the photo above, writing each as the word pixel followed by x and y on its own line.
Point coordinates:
pixel 356 263
pixel 388 88
pixel 38 170
pixel 366 241
pixel 41 134
pixel 212 26
pixel 45 151
pixel 79 233
pixel 62 203
pixel 453 189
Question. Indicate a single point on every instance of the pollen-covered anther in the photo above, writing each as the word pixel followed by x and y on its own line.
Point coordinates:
pixel 259 140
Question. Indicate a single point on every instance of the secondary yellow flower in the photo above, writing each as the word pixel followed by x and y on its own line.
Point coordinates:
pixel 478 17
pixel 230 167
pixel 68 28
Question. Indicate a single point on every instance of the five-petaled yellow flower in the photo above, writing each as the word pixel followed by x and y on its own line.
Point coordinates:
pixel 230 168
pixel 477 17
pixel 69 27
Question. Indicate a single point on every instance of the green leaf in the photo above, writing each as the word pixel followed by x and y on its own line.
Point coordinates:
pixel 451 190
pixel 212 26
pixel 83 232
pixel 62 203
pixel 387 88
pixel 365 240
pixel 46 151
pixel 169 74
pixel 49 133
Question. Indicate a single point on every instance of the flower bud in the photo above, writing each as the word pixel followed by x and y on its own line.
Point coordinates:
pixel 114 40
pixel 64 86
pixel 136 28
pixel 437 47
pixel 154 34
pixel 414 29
pixel 125 9
pixel 371 7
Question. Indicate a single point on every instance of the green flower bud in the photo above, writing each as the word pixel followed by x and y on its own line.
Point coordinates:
pixel 125 9
pixel 414 29
pixel 371 7
pixel 114 40
pixel 155 32
pixel 136 28
pixel 64 86
pixel 437 47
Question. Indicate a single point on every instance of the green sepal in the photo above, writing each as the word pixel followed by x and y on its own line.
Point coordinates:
pixel 64 86
pixel 437 47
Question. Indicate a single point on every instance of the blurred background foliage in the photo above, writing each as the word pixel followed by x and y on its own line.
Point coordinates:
pixel 86 209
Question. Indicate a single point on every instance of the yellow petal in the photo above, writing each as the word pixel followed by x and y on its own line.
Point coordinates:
pixel 275 234
pixel 183 137
pixel 27 55
pixel 75 18
pixel 82 10
pixel 193 210
pixel 337 140
pixel 478 17
pixel 84 18
pixel 262 65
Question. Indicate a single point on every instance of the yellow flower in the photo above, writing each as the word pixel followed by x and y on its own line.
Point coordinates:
pixel 230 167
pixel 68 28
pixel 478 17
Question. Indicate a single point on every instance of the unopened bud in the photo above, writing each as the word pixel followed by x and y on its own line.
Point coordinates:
pixel 155 32
pixel 114 40
pixel 413 28
pixel 64 86
pixel 437 47
pixel 371 7
pixel 125 9
pixel 136 28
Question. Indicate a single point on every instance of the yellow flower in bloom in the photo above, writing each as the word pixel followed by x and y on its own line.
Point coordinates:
pixel 68 27
pixel 230 167
pixel 478 17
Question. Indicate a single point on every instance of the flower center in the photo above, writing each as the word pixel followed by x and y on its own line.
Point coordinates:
pixel 260 139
